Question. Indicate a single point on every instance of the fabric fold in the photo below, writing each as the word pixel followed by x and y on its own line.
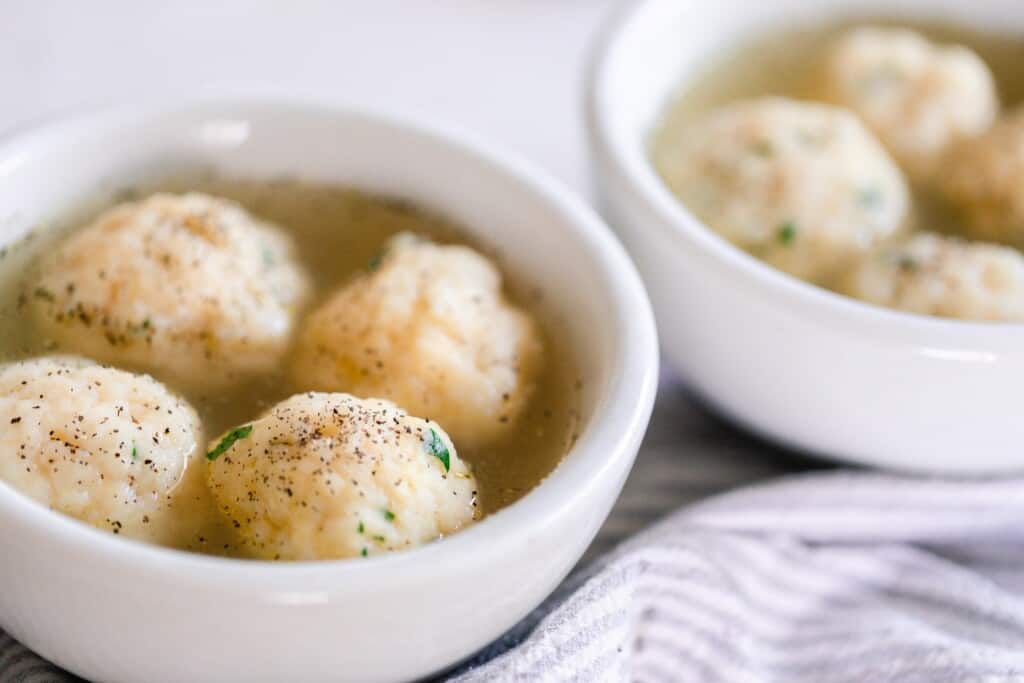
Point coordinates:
pixel 827 577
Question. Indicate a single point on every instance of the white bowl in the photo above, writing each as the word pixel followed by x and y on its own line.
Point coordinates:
pixel 115 610
pixel 800 365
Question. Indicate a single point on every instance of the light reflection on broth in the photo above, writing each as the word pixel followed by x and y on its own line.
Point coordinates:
pixel 337 231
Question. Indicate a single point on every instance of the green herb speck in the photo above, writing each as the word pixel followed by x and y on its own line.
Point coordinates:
pixel 360 528
pixel 375 261
pixel 229 440
pixel 869 198
pixel 434 445
pixel 389 515
pixel 380 539
pixel 787 232
pixel 135 451
pixel 762 148
pixel 364 553
pixel 906 263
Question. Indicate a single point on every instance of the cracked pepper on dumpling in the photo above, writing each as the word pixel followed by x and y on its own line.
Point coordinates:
pixel 185 286
pixel 323 476
pixel 803 186
pixel 108 447
pixel 429 329
pixel 917 96
pixel 943 276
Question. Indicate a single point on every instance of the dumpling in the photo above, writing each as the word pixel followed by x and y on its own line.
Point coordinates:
pixel 943 276
pixel 108 447
pixel 324 476
pixel 916 96
pixel 184 286
pixel 984 181
pixel 802 186
pixel 429 329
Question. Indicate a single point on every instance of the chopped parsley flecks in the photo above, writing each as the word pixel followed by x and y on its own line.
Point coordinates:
pixel 787 232
pixel 375 261
pixel 360 528
pixel 434 445
pixel 229 440
pixel 364 553
pixel 135 451
pixel 906 264
pixel 762 148
pixel 389 515
pixel 380 539
pixel 869 198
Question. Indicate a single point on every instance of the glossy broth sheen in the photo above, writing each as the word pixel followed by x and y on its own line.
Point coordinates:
pixel 337 231
pixel 788 63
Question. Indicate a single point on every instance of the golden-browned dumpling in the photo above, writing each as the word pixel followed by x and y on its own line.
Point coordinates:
pixel 943 276
pixel 190 287
pixel 331 476
pixel 102 445
pixel 983 179
pixel 803 186
pixel 429 329
pixel 918 97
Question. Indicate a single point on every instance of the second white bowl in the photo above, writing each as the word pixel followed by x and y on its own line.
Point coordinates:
pixel 803 366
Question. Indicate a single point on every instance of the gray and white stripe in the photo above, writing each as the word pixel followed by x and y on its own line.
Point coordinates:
pixel 826 577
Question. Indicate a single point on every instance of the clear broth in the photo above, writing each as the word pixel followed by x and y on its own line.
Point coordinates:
pixel 337 231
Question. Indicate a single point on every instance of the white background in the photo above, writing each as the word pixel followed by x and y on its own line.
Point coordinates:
pixel 508 70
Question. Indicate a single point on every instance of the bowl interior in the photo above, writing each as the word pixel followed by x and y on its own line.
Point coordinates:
pixel 75 164
pixel 542 236
pixel 661 43
pixel 648 55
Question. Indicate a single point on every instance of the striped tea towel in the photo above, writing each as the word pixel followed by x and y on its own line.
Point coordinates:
pixel 816 578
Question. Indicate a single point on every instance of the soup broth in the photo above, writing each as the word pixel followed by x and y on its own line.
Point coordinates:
pixel 787 63
pixel 337 231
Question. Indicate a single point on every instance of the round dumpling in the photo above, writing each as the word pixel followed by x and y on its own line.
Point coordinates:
pixel 943 276
pixel 190 287
pixel 918 97
pixel 803 186
pixel 324 476
pixel 984 180
pixel 102 445
pixel 429 329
